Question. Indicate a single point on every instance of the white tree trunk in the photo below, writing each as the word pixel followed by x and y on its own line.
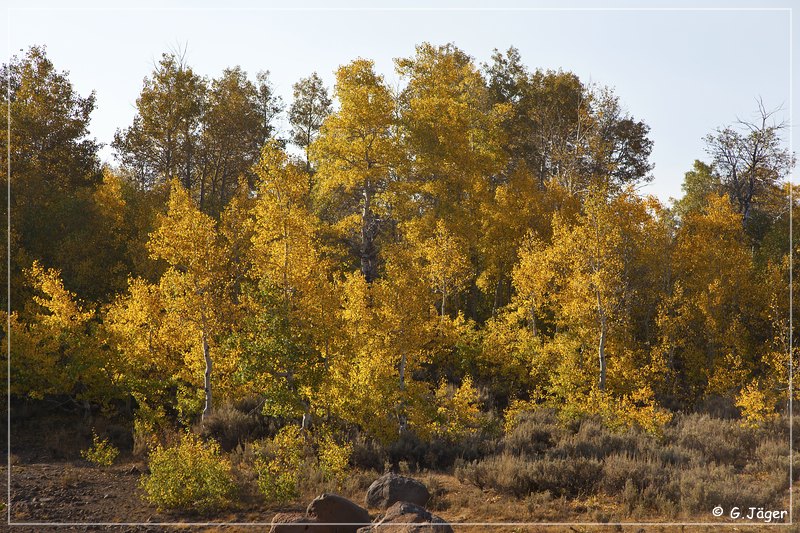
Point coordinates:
pixel 207 377
pixel 602 348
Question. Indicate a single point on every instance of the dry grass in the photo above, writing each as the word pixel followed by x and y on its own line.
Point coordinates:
pixel 699 462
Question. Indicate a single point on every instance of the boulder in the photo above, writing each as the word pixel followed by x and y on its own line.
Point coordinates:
pixel 405 517
pixel 293 523
pixel 335 509
pixel 391 488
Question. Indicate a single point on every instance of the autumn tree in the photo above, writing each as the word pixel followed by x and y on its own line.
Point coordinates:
pixel 310 107
pixel 449 133
pixel 54 168
pixel 269 106
pixel 542 125
pixel 58 346
pixel 698 184
pixel 232 133
pixel 448 130
pixel 354 154
pixel 445 264
pixel 387 327
pixel 713 322
pixel 285 343
pixel 750 159
pixel 162 142
pixel 566 132
pixel 175 325
pixel 591 279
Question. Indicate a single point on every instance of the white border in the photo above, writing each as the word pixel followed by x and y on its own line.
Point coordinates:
pixel 396 9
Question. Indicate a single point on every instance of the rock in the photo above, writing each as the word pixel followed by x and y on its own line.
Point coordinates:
pixel 405 517
pixel 292 523
pixel 335 509
pixel 391 488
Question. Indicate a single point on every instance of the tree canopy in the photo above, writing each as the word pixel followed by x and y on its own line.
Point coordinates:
pixel 402 261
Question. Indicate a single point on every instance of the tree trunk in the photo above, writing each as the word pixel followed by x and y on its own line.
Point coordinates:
pixel 400 407
pixel 602 348
pixel 602 354
pixel 367 244
pixel 207 377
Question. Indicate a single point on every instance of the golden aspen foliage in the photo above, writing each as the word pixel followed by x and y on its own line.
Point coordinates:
pixel 583 280
pixel 291 307
pixel 354 154
pixel 58 348
pixel 182 317
pixel 450 134
pixel 388 329
pixel 458 411
pixel 447 267
pixel 714 322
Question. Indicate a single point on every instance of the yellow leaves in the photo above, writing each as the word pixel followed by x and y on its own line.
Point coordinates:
pixel 286 251
pixel 716 312
pixel 334 458
pixel 58 348
pixel 101 452
pixel 594 282
pixel 710 243
pixel 186 237
pixel 533 273
pixel 278 476
pixel 725 374
pixel 620 412
pixel 457 410
pixel 189 475
pixel 513 413
pixel 355 145
pixel 447 111
pixel 757 404
pixel 284 241
pixel 447 266
pixel 59 307
pixel 164 327
pixel 109 199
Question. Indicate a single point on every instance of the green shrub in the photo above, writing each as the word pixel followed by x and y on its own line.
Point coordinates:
pixel 192 475
pixel 334 458
pixel 280 469
pixel 101 452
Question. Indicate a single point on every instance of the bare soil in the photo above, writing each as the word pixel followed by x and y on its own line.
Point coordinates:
pixel 72 494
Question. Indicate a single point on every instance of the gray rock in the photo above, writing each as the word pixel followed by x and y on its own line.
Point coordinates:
pixel 294 523
pixel 335 509
pixel 405 517
pixel 391 488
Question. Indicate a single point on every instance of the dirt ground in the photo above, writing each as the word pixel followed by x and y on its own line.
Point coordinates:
pixel 69 492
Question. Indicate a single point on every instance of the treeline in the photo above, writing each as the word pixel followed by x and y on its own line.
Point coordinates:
pixel 401 260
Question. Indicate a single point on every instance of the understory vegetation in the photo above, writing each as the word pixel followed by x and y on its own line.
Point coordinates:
pixel 695 464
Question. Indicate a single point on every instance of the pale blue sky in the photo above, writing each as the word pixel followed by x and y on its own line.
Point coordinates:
pixel 683 72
